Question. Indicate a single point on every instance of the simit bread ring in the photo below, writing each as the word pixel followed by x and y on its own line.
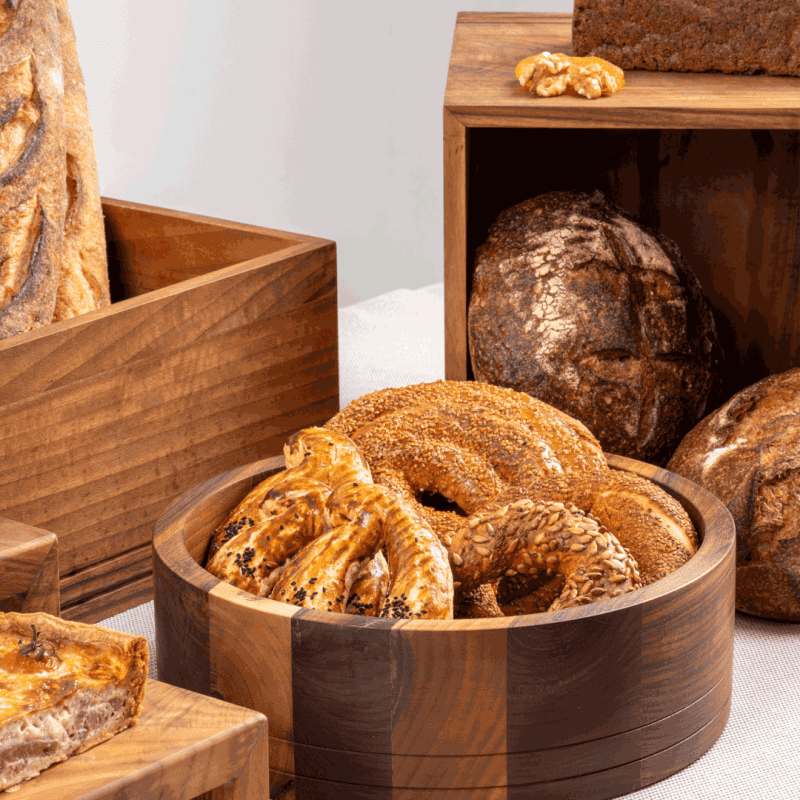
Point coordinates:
pixel 479 445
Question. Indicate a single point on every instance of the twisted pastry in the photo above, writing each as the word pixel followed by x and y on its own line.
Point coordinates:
pixel 284 512
pixel 421 582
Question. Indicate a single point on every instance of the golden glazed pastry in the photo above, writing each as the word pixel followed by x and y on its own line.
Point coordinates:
pixel 64 687
pixel 284 512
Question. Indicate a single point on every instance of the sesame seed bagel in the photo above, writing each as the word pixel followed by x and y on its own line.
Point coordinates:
pixel 482 447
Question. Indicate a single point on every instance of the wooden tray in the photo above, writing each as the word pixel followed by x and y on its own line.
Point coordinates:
pixel 181 746
pixel 28 569
pixel 595 701
pixel 220 342
pixel 711 160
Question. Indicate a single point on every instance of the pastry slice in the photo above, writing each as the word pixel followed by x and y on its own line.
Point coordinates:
pixel 64 687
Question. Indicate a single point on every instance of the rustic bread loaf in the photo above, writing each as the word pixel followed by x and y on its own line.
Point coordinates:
pixel 47 173
pixel 32 159
pixel 84 269
pixel 65 687
pixel 719 35
pixel 747 453
pixel 576 304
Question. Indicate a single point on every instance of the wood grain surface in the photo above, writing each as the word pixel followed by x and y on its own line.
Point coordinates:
pixel 710 160
pixel 615 694
pixel 483 91
pixel 183 744
pixel 28 569
pixel 220 342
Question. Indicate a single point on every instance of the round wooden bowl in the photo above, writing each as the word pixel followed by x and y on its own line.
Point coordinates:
pixel 593 702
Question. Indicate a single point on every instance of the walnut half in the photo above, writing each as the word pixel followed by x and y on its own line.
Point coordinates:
pixel 550 74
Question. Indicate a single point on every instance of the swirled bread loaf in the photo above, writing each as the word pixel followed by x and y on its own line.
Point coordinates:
pixel 747 453
pixel 576 304
pixel 52 245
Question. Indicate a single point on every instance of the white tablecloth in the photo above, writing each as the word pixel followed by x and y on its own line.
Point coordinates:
pixel 397 339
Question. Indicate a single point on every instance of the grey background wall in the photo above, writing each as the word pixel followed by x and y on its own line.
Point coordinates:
pixel 315 116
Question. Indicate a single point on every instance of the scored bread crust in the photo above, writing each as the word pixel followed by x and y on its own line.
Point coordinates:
pixel 59 706
pixel 32 153
pixel 83 285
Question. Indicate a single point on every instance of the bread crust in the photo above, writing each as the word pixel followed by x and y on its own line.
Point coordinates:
pixel 576 304
pixel 83 285
pixel 747 453
pixel 32 157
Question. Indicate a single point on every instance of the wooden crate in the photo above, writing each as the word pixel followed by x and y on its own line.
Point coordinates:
pixel 711 160
pixel 28 569
pixel 592 702
pixel 220 342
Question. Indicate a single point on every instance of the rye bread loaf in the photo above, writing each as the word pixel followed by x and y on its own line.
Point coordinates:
pixel 747 453
pixel 701 36
pixel 47 173
pixel 576 304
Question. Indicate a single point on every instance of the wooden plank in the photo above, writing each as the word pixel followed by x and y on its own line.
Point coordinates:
pixel 182 745
pixel 456 289
pixel 28 569
pixel 124 568
pixel 482 90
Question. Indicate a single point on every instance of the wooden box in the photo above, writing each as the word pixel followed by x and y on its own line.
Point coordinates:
pixel 593 702
pixel 220 341
pixel 28 569
pixel 710 160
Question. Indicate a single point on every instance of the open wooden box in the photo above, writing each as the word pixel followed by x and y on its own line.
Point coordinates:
pixel 593 702
pixel 220 342
pixel 711 160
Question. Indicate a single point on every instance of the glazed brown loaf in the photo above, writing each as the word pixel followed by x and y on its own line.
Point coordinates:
pixel 576 304
pixel 704 35
pixel 52 245
pixel 747 453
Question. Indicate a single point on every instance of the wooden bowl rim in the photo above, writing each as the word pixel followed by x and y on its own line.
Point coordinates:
pixel 718 540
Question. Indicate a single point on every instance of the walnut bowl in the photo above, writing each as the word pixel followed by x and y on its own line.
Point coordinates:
pixel 593 701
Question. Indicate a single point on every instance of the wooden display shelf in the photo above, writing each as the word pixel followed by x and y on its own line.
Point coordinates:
pixel 182 745
pixel 221 340
pixel 711 160
pixel 28 569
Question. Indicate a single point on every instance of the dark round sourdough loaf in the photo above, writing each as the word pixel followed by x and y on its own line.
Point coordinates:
pixel 576 304
pixel 747 453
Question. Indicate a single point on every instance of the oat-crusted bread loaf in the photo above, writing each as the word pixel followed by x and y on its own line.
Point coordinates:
pixel 578 305
pixel 47 173
pixel 747 453
pixel 64 687
pixel 701 36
